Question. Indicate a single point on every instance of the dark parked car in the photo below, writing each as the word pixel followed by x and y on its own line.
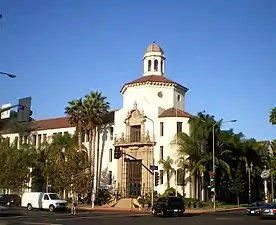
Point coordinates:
pixel 254 208
pixel 268 211
pixel 168 206
pixel 10 200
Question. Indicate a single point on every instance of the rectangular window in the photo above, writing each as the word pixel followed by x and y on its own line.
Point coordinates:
pixel 20 141
pixel 161 153
pixel 16 142
pixel 34 140
pixel 65 133
pixel 110 155
pixel 179 127
pixel 135 133
pixel 39 139
pixel 110 178
pixel 111 133
pixel 44 137
pixel 25 139
pixel 8 140
pixel 161 129
pixel 161 176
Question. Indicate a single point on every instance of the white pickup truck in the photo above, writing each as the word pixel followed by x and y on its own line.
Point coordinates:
pixel 42 200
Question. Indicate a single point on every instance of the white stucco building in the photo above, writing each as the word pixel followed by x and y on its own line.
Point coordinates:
pixel 153 112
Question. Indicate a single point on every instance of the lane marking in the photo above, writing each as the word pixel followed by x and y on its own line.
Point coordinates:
pixel 37 223
pixel 14 217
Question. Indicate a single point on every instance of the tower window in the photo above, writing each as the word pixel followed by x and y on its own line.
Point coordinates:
pixel 178 127
pixel 161 66
pixel 161 129
pixel 149 65
pixel 178 98
pixel 155 65
pixel 135 133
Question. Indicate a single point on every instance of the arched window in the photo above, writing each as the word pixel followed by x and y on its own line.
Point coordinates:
pixel 161 66
pixel 155 65
pixel 149 65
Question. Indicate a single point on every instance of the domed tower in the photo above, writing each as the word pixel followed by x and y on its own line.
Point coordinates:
pixel 154 60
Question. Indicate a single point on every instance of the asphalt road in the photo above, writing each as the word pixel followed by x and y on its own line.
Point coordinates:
pixel 107 218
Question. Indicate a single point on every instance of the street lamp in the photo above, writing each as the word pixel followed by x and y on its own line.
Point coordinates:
pixel 8 75
pixel 47 178
pixel 153 142
pixel 214 169
pixel 249 169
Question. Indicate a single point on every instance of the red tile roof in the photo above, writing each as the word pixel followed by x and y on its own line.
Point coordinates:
pixel 57 123
pixel 153 79
pixel 49 124
pixel 173 112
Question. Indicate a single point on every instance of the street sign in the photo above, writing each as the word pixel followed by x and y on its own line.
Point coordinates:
pixel 5 114
pixel 153 167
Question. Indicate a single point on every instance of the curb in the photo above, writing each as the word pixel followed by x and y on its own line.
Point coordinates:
pixel 114 210
pixel 211 211
pixel 229 210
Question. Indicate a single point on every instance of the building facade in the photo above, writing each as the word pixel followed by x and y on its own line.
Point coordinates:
pixel 144 129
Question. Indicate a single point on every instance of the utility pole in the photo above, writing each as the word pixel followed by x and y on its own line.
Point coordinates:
pixel 249 171
pixel 272 188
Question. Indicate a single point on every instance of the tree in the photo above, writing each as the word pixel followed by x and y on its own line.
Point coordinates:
pixel 272 116
pixel 167 168
pixel 15 167
pixel 196 147
pixel 231 150
pixel 237 183
pixel 67 165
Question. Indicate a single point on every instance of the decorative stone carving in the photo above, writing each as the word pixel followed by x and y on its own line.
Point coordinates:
pixel 147 136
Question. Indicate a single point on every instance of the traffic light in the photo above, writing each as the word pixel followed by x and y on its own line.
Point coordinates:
pixel 24 109
pixel 117 153
pixel 212 180
pixel 156 178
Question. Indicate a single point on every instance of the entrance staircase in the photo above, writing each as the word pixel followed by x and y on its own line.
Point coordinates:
pixel 126 203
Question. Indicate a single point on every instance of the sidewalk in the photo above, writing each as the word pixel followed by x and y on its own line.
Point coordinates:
pixel 188 210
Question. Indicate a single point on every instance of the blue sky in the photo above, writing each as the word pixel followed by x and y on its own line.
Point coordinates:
pixel 223 51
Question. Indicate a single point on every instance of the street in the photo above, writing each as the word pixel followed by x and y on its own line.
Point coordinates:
pixel 123 218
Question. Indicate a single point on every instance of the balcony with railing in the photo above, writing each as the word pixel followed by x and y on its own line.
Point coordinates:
pixel 135 138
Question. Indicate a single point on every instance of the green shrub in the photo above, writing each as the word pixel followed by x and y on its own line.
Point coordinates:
pixel 103 197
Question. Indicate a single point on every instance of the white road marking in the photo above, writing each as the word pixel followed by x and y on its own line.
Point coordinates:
pixel 227 218
pixel 14 217
pixel 35 223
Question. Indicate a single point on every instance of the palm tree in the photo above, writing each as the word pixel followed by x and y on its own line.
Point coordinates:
pixel 272 116
pixel 75 111
pixel 167 168
pixel 183 167
pixel 197 147
pixel 96 108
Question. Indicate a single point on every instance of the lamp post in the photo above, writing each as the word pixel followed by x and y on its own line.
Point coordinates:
pixel 153 142
pixel 265 175
pixel 47 178
pixel 8 75
pixel 214 169
pixel 249 169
